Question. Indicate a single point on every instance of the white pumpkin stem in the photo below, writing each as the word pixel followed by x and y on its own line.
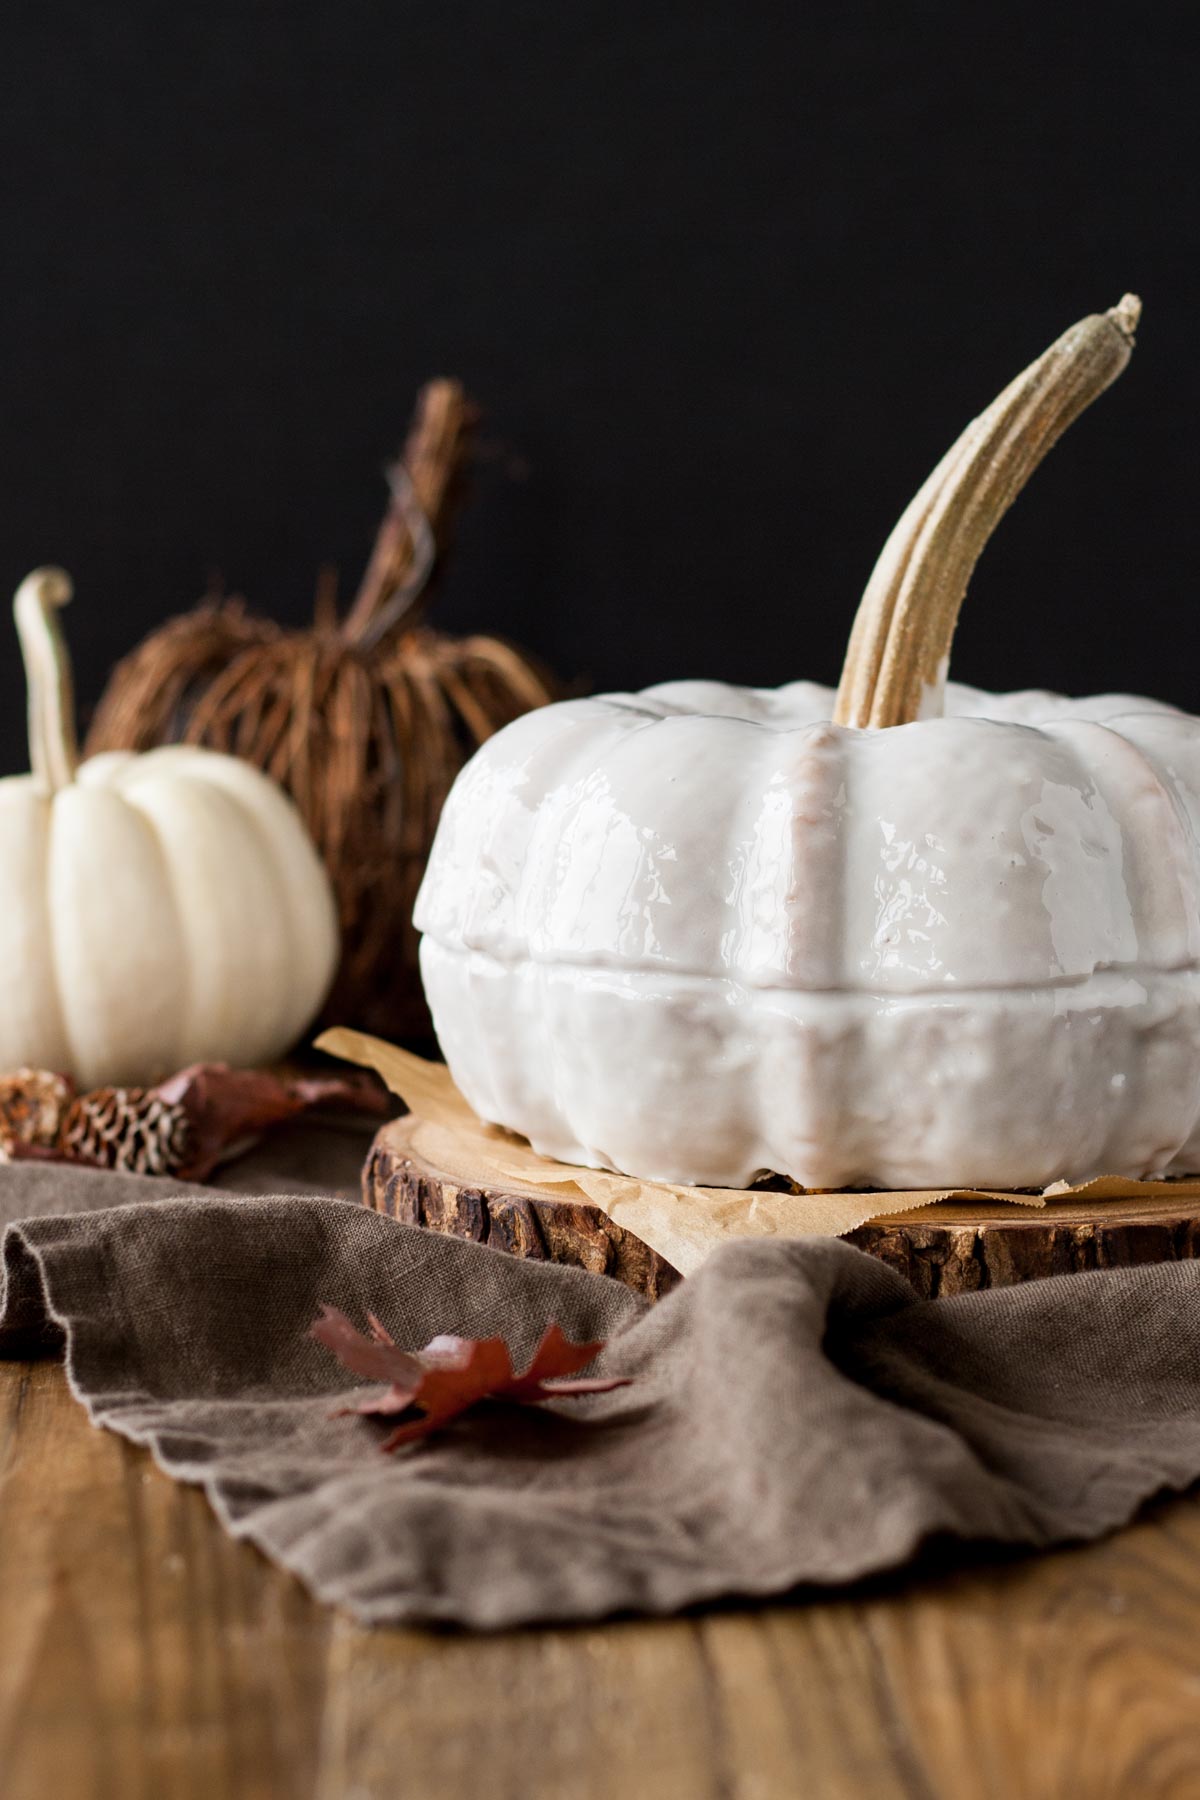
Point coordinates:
pixel 895 669
pixel 53 748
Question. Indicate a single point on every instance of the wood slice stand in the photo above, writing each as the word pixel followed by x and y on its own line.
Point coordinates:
pixel 523 1220
pixel 952 1248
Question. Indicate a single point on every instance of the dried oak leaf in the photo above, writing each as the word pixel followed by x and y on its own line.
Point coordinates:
pixel 227 1108
pixel 451 1373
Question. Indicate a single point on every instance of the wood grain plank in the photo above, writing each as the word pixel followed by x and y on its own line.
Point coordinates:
pixel 1075 1674
pixel 145 1653
pixel 586 1714
pixel 795 1705
pixel 1053 1677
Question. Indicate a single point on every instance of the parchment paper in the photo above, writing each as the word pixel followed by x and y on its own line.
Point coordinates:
pixel 684 1224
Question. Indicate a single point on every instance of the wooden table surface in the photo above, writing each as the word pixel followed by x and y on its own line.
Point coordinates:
pixel 144 1653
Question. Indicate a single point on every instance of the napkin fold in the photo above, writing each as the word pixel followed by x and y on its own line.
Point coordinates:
pixel 798 1417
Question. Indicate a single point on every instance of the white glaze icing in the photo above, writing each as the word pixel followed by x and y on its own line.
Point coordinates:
pixel 699 932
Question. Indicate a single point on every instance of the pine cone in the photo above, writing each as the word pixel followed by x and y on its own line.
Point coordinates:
pixel 133 1129
pixel 33 1105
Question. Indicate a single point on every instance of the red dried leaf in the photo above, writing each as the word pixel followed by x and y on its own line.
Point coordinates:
pixel 225 1108
pixel 377 1357
pixel 452 1373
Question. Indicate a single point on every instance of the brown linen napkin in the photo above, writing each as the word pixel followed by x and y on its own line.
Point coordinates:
pixel 322 1155
pixel 798 1415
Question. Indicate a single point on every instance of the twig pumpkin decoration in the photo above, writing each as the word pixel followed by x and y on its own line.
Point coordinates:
pixel 910 935
pixel 364 719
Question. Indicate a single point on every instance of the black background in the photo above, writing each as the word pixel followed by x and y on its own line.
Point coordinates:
pixel 727 279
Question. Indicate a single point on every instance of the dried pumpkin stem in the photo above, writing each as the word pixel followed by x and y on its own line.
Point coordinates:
pixel 416 526
pixel 53 751
pixel 896 663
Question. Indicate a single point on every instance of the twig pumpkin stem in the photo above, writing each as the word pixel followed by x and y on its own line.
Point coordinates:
pixel 896 663
pixel 53 748
pixel 417 523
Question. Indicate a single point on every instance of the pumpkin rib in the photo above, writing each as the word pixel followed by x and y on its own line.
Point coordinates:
pixel 121 975
pixel 189 1044
pixel 27 1036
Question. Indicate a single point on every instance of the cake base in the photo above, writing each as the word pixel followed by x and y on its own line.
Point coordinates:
pixel 953 1247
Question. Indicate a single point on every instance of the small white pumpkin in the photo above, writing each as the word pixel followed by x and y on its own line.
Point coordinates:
pixel 155 910
pixel 902 936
